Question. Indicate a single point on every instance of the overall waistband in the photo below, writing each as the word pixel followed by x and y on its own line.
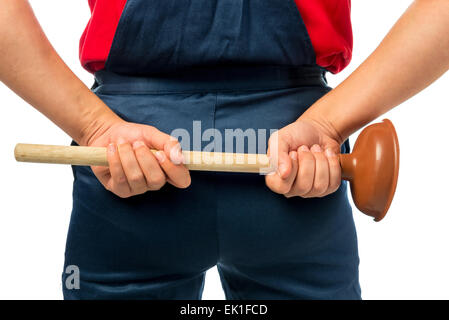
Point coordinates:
pixel 211 80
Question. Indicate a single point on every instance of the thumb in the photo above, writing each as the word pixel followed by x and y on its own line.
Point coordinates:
pixel 161 141
pixel 278 151
pixel 154 138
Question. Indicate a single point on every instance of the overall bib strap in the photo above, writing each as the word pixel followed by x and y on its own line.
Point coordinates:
pixel 161 36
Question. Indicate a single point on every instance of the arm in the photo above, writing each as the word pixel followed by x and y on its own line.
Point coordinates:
pixel 30 66
pixel 413 55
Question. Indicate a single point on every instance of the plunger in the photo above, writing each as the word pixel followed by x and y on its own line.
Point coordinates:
pixel 371 169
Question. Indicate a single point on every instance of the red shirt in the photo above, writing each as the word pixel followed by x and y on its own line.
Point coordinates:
pixel 328 24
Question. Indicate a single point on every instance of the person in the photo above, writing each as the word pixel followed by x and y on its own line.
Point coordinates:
pixel 147 228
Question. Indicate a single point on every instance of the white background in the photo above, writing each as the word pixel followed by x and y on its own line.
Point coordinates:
pixel 403 257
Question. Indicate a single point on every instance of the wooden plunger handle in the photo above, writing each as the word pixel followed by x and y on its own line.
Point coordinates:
pixel 372 168
pixel 95 156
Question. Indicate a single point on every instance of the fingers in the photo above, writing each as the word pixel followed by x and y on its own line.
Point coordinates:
pixel 131 168
pixel 154 176
pixel 280 185
pixel 102 173
pixel 334 171
pixel 318 173
pixel 154 138
pixel 278 151
pixel 177 174
pixel 118 182
pixel 134 169
pixel 158 140
pixel 321 178
pixel 169 156
pixel 306 173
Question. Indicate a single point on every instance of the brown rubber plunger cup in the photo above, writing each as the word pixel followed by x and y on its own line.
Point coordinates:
pixel 372 169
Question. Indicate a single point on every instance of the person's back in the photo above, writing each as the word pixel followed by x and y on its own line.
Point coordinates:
pixel 218 76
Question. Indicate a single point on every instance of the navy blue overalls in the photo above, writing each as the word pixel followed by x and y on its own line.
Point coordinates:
pixel 225 64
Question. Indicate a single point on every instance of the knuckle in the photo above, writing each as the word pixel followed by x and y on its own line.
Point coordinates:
pixel 320 188
pixel 155 187
pixel 329 191
pixel 334 187
pixel 285 135
pixel 157 180
pixel 148 131
pixel 136 177
pixel 273 183
pixel 282 188
pixel 269 179
pixel 123 195
pixel 303 188
pixel 122 180
pixel 273 186
pixel 280 135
